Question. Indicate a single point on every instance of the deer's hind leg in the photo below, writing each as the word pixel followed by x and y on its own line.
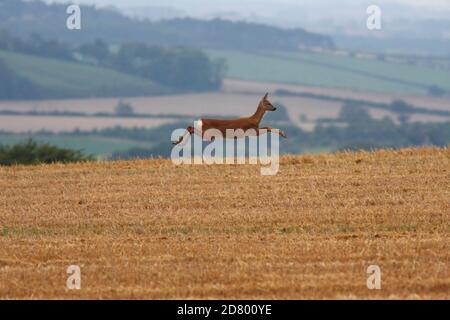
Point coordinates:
pixel 279 131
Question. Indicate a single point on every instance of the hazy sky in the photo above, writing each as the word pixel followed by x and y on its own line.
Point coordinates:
pixel 254 2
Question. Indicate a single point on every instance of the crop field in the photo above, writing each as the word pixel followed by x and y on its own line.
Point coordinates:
pixel 408 74
pixel 148 229
pixel 191 106
pixel 235 86
pixel 28 123
pixel 237 99
pixel 326 70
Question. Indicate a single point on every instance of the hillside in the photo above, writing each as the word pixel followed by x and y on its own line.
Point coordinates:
pixel 148 229
pixel 333 71
pixel 24 18
pixel 60 79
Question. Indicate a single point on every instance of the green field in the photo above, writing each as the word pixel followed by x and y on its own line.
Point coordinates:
pixel 327 70
pixel 100 147
pixel 61 79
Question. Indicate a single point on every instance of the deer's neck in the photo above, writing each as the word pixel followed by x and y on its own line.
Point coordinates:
pixel 259 114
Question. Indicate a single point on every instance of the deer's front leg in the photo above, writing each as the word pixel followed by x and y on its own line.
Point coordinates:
pixel 189 131
pixel 280 132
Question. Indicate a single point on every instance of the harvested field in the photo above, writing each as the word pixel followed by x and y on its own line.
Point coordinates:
pixel 149 229
pixel 234 86
pixel 20 124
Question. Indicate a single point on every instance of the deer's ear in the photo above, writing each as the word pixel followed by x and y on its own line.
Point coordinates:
pixel 265 96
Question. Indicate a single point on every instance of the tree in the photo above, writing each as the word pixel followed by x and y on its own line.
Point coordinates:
pixel 31 152
pixel 37 45
pixel 98 50
pixel 436 91
pixel 280 115
pixel 403 117
pixel 353 113
pixel 124 109
pixel 401 106
pixel 178 68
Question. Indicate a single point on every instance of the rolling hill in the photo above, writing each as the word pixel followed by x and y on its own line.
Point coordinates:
pixel 24 18
pixel 53 78
pixel 333 71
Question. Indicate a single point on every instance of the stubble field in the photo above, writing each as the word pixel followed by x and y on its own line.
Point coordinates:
pixel 151 230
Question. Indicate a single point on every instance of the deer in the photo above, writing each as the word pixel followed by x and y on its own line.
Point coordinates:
pixel 246 123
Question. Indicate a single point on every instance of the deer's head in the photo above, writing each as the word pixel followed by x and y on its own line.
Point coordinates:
pixel 265 104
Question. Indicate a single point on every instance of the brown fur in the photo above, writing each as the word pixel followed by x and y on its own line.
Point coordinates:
pixel 245 124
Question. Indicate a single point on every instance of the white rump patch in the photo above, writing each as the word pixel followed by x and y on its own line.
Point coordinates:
pixel 198 126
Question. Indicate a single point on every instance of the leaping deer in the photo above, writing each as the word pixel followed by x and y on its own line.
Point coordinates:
pixel 252 122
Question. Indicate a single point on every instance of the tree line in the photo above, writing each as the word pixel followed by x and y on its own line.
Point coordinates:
pixel 27 17
pixel 177 68
pixel 180 68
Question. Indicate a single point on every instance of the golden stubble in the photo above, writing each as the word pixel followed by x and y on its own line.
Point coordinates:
pixel 150 230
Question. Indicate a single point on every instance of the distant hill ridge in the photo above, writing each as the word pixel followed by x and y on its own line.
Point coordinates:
pixel 25 18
